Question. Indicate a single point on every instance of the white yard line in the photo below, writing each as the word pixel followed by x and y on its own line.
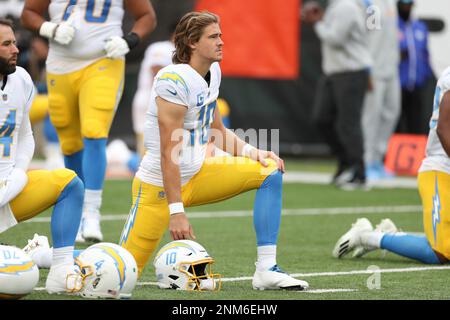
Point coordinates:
pixel 286 212
pixel 325 178
pixel 319 274
pixel 329 274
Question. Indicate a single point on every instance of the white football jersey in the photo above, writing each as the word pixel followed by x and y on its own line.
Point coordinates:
pixel 182 85
pixel 436 157
pixel 94 22
pixel 15 102
pixel 157 54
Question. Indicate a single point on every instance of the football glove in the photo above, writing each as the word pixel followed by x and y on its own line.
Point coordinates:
pixel 62 33
pixel 116 47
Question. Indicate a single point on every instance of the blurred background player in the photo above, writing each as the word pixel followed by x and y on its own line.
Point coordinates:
pixel 415 70
pixel 24 195
pixel 156 56
pixel 340 92
pixel 434 189
pixel 382 102
pixel 39 110
pixel 85 75
pixel 174 171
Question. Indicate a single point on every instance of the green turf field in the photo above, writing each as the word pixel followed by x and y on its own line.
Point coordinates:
pixel 309 231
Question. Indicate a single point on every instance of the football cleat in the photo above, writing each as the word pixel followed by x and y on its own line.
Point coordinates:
pixel 79 238
pixel 36 244
pixel 385 226
pixel 91 230
pixel 64 279
pixel 352 238
pixel 276 279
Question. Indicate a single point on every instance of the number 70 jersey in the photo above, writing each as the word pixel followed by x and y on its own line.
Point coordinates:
pixel 94 21
pixel 182 85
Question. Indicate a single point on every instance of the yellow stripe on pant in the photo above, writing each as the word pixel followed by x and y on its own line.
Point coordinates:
pixel 41 192
pixel 434 189
pixel 219 178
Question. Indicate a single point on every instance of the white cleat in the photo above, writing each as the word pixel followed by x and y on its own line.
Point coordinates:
pixel 352 238
pixel 64 279
pixel 91 230
pixel 79 238
pixel 385 226
pixel 276 279
pixel 38 243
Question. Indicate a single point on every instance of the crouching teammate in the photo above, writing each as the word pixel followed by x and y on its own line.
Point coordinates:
pixel 24 195
pixel 174 173
pixel 434 189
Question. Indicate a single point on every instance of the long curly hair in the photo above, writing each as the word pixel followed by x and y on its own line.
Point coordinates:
pixel 188 31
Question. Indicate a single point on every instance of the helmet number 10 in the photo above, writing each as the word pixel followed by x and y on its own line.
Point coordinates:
pixel 171 258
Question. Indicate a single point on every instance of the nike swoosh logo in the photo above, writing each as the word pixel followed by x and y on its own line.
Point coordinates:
pixel 172 92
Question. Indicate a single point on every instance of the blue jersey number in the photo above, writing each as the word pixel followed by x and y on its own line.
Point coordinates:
pixel 6 131
pixel 89 16
pixel 171 258
pixel 205 116
pixel 437 95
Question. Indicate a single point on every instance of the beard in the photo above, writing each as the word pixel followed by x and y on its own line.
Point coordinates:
pixel 5 67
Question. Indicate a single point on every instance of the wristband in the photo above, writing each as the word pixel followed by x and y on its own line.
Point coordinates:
pixel 132 40
pixel 176 207
pixel 247 149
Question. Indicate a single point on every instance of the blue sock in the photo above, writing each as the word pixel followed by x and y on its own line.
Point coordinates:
pixel 410 246
pixel 94 163
pixel 67 214
pixel 75 163
pixel 267 210
pixel 50 131
pixel 133 162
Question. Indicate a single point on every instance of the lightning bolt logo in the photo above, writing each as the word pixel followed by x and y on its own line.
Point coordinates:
pixel 131 219
pixel 436 213
pixel 16 268
pixel 118 262
pixel 175 78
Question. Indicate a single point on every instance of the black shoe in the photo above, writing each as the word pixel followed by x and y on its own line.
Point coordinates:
pixel 351 179
pixel 355 183
pixel 340 170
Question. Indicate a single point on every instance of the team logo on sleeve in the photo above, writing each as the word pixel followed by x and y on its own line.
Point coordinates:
pixel 175 78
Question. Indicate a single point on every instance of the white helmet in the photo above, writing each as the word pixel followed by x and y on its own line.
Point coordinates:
pixel 18 273
pixel 185 265
pixel 109 271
